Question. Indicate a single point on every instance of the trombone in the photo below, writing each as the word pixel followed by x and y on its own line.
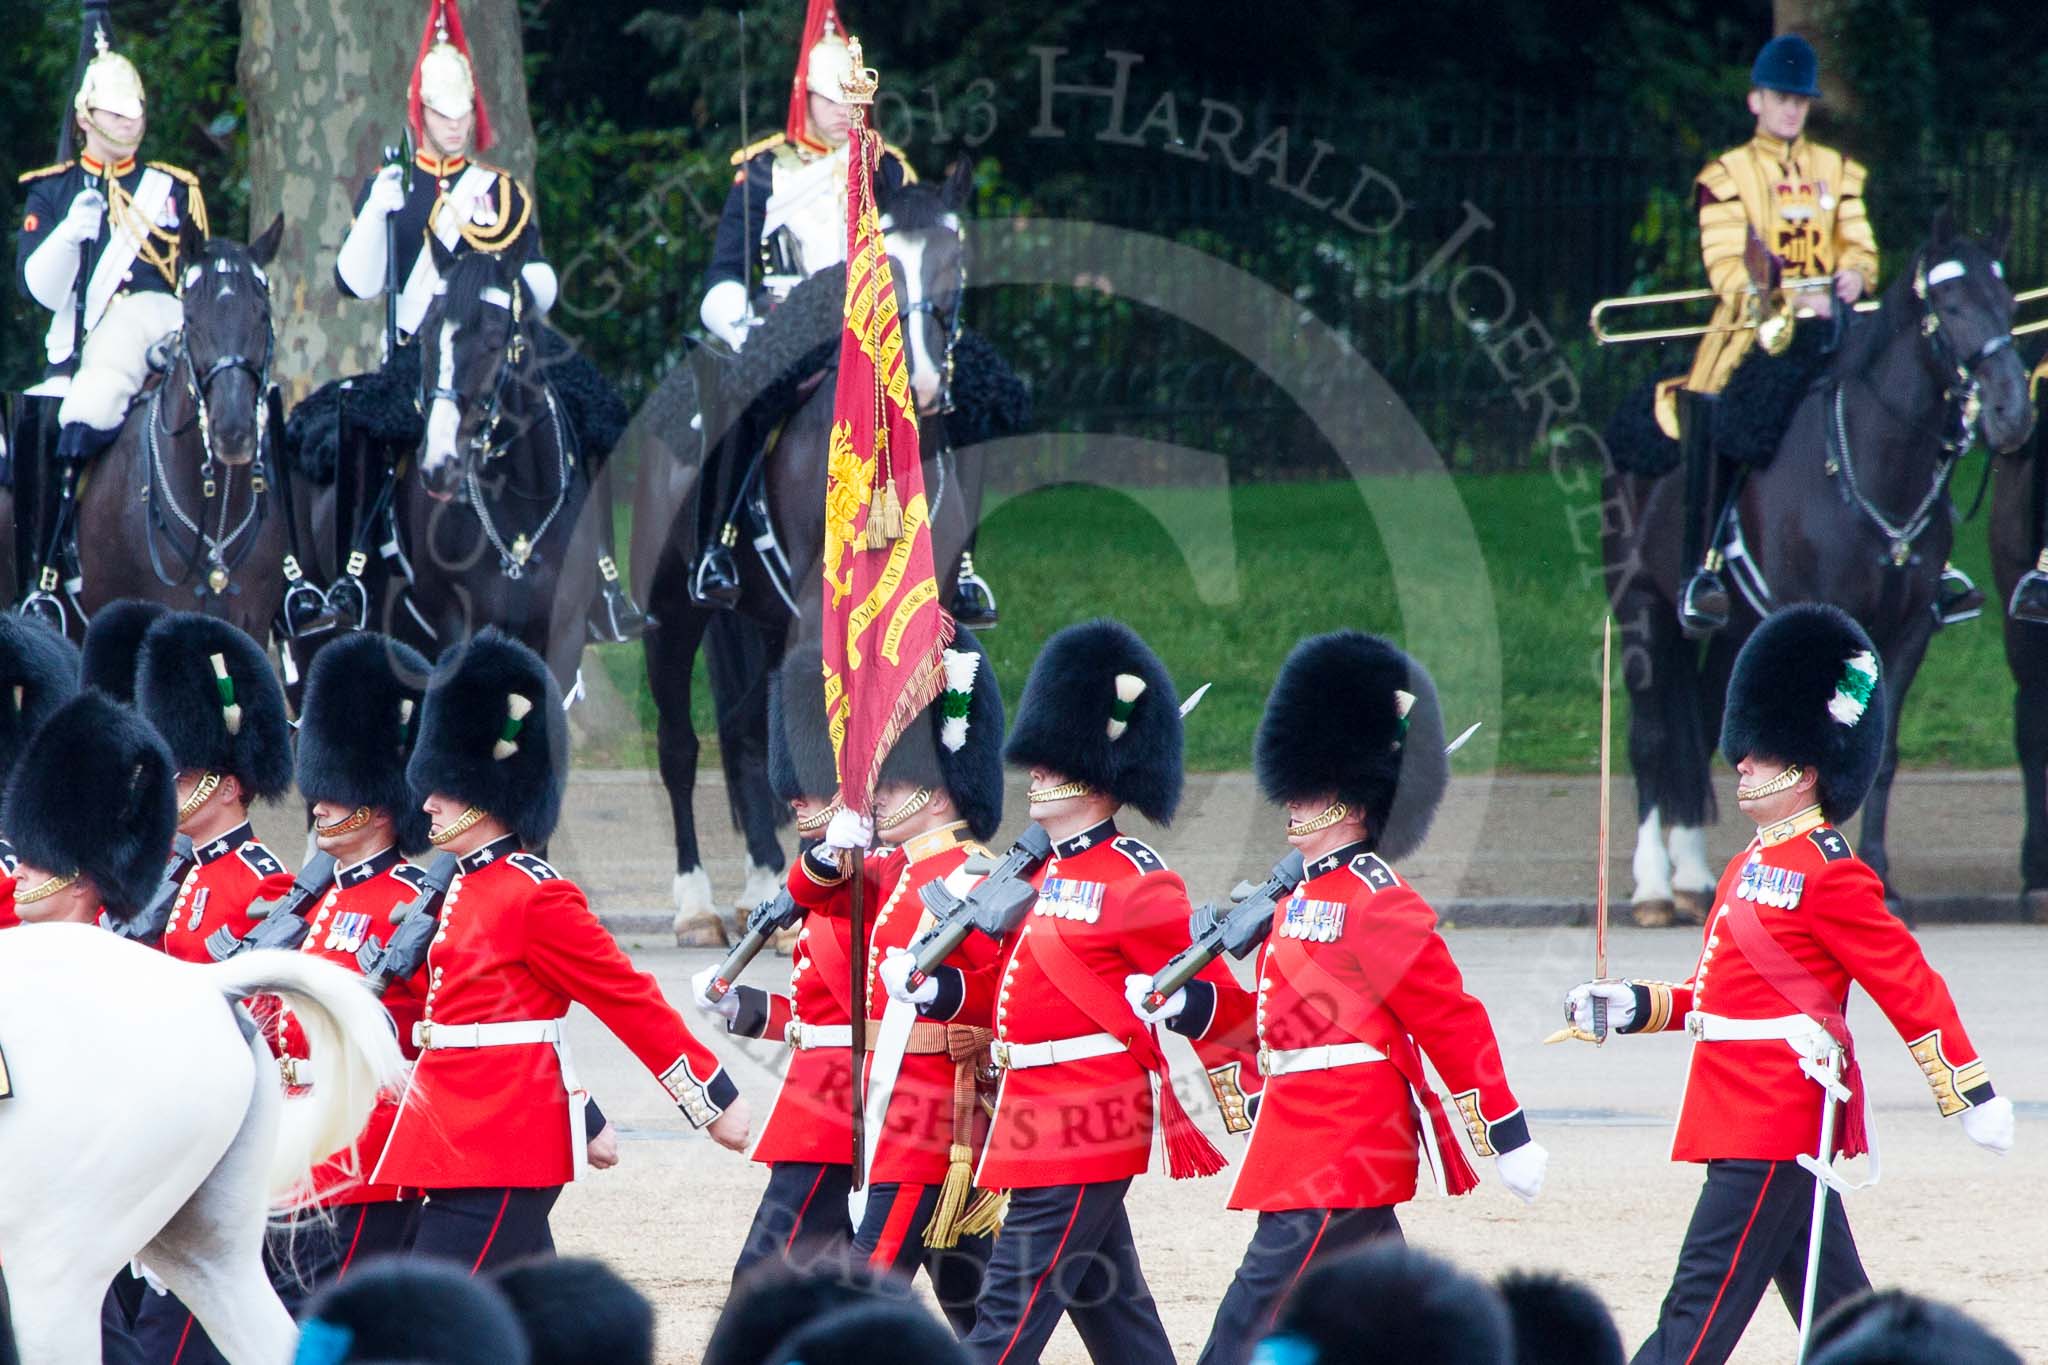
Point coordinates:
pixel 2021 300
pixel 1772 317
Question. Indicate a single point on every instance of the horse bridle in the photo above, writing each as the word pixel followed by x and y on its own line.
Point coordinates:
pixel 951 323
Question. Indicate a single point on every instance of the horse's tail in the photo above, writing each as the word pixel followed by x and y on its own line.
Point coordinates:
pixel 351 1043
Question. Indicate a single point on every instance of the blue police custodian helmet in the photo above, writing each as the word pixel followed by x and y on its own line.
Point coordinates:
pixel 1788 65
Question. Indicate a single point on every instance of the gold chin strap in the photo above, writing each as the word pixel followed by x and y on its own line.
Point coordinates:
pixel 459 826
pixel 1332 814
pixel 811 824
pixel 209 783
pixel 1784 781
pixel 919 799
pixel 43 890
pixel 1065 790
pixel 348 824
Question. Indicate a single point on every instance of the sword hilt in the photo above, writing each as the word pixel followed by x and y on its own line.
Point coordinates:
pixel 1599 1019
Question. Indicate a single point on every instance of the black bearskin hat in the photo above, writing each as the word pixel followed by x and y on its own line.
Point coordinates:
pixel 577 1310
pixel 38 674
pixel 210 692
pixel 426 1312
pixel 494 735
pixel 96 793
pixel 1806 689
pixel 1893 1327
pixel 800 761
pixel 113 639
pixel 1100 708
pixel 1559 1321
pixel 356 728
pixel 1388 1301
pixel 1353 716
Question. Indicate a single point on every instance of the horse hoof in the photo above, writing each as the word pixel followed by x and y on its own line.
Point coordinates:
pixel 2034 906
pixel 1691 906
pixel 785 940
pixel 1651 914
pixel 703 931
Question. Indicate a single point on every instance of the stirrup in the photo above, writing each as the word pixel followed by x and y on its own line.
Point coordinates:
pixel 615 618
pixel 1703 603
pixel 2029 601
pixel 715 582
pixel 44 606
pixel 348 597
pixel 974 601
pixel 1957 599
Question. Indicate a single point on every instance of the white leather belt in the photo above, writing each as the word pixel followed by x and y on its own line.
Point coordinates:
pixel 1786 1028
pixel 804 1036
pixel 1024 1056
pixel 431 1037
pixel 1283 1062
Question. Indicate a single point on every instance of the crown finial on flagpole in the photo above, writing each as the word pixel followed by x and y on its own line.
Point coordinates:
pixel 860 83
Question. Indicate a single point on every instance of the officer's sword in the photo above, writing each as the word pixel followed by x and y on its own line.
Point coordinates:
pixel 1599 1002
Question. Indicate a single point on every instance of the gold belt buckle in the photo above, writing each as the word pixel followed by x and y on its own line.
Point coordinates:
pixel 999 1054
pixel 1696 1025
pixel 793 1034
pixel 423 1035
pixel 1265 1061
pixel 288 1069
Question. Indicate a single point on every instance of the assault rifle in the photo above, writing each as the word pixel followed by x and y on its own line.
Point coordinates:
pixel 764 921
pixel 405 952
pixel 1236 931
pixel 280 924
pixel 149 924
pixel 994 905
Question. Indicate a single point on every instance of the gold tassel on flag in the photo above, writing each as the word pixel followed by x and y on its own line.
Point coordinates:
pixel 984 1218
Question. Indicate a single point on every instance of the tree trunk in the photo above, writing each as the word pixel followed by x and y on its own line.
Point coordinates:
pixel 326 87
pixel 1820 22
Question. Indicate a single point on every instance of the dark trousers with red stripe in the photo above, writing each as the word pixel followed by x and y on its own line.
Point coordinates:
pixel 484 1229
pixel 802 1216
pixel 1749 1231
pixel 1285 1244
pixel 890 1241
pixel 1067 1249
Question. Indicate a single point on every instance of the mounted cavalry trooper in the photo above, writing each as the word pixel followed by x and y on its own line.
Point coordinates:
pixel 807 1138
pixel 493 1124
pixel 1085 1086
pixel 112 224
pixel 1354 985
pixel 467 205
pixel 209 690
pixel 1797 920
pixel 1805 203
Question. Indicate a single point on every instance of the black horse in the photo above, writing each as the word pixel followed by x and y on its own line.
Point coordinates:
pixel 183 507
pixel 2019 514
pixel 1853 510
pixel 492 516
pixel 784 504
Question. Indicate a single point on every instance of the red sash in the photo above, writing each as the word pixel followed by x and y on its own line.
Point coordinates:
pixel 1783 974
pixel 830 960
pixel 1188 1150
pixel 1406 1058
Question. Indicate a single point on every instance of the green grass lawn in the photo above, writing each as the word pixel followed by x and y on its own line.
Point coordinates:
pixel 1223 585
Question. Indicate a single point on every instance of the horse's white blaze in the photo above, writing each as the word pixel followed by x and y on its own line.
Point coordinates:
pixel 1651 866
pixel 497 298
pixel 444 418
pixel 1690 870
pixel 1946 271
pixel 908 254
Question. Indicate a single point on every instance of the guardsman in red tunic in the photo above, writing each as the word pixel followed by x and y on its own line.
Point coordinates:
pixel 210 692
pixel 493 1124
pixel 940 795
pixel 91 807
pixel 356 731
pixel 807 1138
pixel 1098 728
pixel 1354 985
pixel 1797 920
pixel 38 673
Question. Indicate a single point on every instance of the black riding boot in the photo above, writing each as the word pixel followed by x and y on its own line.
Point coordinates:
pixel 715 576
pixel 974 602
pixel 1703 599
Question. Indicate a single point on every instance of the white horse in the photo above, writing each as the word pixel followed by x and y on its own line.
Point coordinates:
pixel 147 1121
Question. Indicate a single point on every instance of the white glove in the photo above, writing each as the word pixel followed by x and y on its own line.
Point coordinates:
pixel 725 313
pixel 726 1008
pixel 82 221
pixel 848 831
pixel 1521 1170
pixel 1620 998
pixel 897 965
pixel 1989 1124
pixel 1137 986
pixel 387 192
